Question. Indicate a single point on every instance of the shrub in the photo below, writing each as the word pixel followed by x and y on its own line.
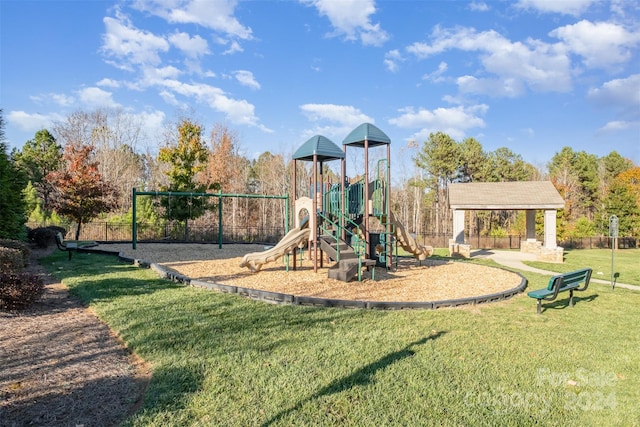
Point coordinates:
pixel 19 291
pixel 43 237
pixel 21 246
pixel 10 260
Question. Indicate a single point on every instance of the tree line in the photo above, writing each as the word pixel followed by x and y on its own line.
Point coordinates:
pixel 86 166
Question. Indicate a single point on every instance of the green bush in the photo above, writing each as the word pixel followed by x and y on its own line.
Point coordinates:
pixel 25 252
pixel 19 290
pixel 10 260
pixel 43 237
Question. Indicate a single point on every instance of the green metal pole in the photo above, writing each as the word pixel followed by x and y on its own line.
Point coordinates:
pixel 220 219
pixel 286 215
pixel 134 228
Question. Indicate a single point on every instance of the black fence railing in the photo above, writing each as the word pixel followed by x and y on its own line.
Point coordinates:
pixel 176 232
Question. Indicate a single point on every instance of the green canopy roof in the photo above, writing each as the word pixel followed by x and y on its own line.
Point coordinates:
pixel 369 132
pixel 322 147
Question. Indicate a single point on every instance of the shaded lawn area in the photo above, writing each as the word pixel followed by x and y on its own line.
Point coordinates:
pixel 625 261
pixel 220 359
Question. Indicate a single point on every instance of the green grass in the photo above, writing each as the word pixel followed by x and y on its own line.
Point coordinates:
pixel 626 262
pixel 220 359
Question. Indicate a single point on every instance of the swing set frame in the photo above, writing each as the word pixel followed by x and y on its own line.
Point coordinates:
pixel 220 195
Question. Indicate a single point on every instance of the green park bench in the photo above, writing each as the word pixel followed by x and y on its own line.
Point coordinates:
pixel 561 283
pixel 69 247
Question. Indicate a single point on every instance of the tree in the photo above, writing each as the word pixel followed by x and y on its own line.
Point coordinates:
pixel 504 165
pixel 79 190
pixel 115 136
pixel 440 158
pixel 575 175
pixel 186 159
pixel 473 160
pixel 12 182
pixel 631 178
pixel 622 202
pixel 39 157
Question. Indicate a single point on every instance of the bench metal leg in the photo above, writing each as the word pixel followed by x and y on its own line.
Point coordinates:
pixel 69 255
pixel 539 306
pixel 571 298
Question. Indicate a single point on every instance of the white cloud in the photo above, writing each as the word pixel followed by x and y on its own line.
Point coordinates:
pixel 130 45
pixel 351 18
pixel 237 111
pixel 454 121
pixel 344 114
pixel 508 87
pixel 28 122
pixel 59 99
pixel 623 93
pixel 601 44
pixel 478 6
pixel 217 15
pixel 436 76
pixel 152 123
pixel 193 47
pixel 246 79
pixel 333 121
pixel 618 125
pixel 540 66
pixel 107 82
pixel 391 60
pixel 96 98
pixel 566 7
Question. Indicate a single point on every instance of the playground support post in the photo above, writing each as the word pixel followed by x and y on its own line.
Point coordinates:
pixel 219 194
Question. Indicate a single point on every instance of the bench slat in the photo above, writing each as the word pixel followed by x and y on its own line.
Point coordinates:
pixel 573 277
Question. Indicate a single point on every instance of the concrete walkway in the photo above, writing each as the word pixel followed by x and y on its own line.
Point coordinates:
pixel 513 259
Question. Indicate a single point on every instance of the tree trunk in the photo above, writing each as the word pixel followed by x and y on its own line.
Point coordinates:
pixel 78 230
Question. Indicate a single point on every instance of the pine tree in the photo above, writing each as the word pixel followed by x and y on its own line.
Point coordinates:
pixel 12 182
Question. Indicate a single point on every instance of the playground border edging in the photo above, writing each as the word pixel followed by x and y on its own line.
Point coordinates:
pixel 282 298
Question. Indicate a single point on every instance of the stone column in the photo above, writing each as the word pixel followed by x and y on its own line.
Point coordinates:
pixel 531 224
pixel 550 229
pixel 458 226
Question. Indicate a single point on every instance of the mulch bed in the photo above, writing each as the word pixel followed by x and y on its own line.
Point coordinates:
pixel 61 366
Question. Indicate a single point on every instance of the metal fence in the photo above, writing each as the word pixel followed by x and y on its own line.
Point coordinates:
pixel 175 232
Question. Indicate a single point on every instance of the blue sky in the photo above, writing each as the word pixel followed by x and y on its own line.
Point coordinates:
pixel 530 75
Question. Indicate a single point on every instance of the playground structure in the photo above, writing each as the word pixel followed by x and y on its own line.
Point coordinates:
pixel 351 223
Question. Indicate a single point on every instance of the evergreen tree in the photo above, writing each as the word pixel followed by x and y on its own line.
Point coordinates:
pixel 186 159
pixel 12 182
pixel 39 157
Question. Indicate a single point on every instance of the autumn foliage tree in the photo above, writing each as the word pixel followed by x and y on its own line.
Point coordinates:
pixel 79 191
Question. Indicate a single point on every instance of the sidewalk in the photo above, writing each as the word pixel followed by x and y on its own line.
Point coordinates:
pixel 513 259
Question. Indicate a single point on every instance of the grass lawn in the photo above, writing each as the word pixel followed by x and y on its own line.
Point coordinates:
pixel 220 359
pixel 625 261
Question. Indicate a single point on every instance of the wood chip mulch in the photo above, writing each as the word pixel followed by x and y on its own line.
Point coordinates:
pixel 429 280
pixel 61 366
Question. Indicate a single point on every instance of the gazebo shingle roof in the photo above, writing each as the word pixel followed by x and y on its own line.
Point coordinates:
pixel 518 195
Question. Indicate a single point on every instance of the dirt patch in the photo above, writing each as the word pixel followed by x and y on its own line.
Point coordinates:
pixel 428 281
pixel 61 366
